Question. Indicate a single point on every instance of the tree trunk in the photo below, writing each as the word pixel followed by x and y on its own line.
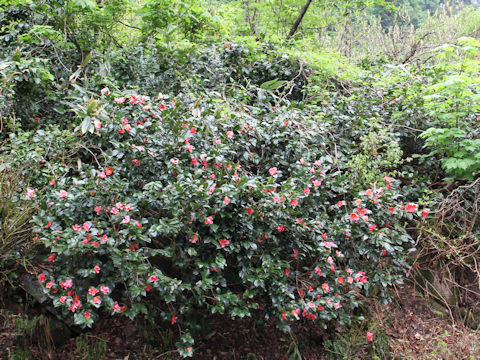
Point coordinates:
pixel 299 19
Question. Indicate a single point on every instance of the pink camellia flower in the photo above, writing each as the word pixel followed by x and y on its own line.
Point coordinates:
pixel 318 271
pixel 126 219
pixel 66 284
pixel 63 194
pixel 194 239
pixel 317 183
pixel 325 287
pixel 86 226
pixel 425 212
pixel 76 227
pixel 294 202
pixel 87 315
pixel 96 300
pixel 330 260
pixel 30 192
pixel 354 217
pixel 372 227
pixel 340 280
pixel 116 307
pixel 362 211
pixel 63 299
pixel 96 268
pixel 369 192
pixel 114 211
pixel 174 161
pixel 93 291
pixel 223 242
pixel 306 191
pixel 212 189
pixel 102 175
pixel 411 207
pixel 387 179
pixel 209 220
pixel 105 91
pixel 350 280
pixel 273 171
pixel 98 209
pixel 119 100
pixel 369 337
pixel 281 228
pixel 108 171
pixel 153 278
pixel 52 257
pixel 226 200
pixel 230 134
pixel 42 277
pixel 340 203
pixel 49 285
pixel 217 142
pixel 104 289
pixel 104 238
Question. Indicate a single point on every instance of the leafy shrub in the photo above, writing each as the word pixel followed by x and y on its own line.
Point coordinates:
pixel 15 218
pixel 198 207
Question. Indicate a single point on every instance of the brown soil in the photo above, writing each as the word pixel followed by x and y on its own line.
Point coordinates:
pixel 409 328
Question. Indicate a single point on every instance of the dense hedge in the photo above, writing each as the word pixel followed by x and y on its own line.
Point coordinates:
pixel 201 208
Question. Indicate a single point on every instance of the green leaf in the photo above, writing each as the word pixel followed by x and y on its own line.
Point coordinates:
pixel 85 124
pixel 272 84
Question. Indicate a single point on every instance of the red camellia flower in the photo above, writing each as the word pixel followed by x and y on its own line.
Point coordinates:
pixel 425 212
pixel 294 202
pixel 42 277
pixel 209 220
pixel 354 217
pixel 108 171
pixel 223 242
pixel 86 314
pixel 411 207
pixel 174 319
pixel 249 211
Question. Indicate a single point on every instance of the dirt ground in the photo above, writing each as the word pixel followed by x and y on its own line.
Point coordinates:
pixel 408 328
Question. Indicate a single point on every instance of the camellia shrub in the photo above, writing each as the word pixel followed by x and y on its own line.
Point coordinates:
pixel 196 208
